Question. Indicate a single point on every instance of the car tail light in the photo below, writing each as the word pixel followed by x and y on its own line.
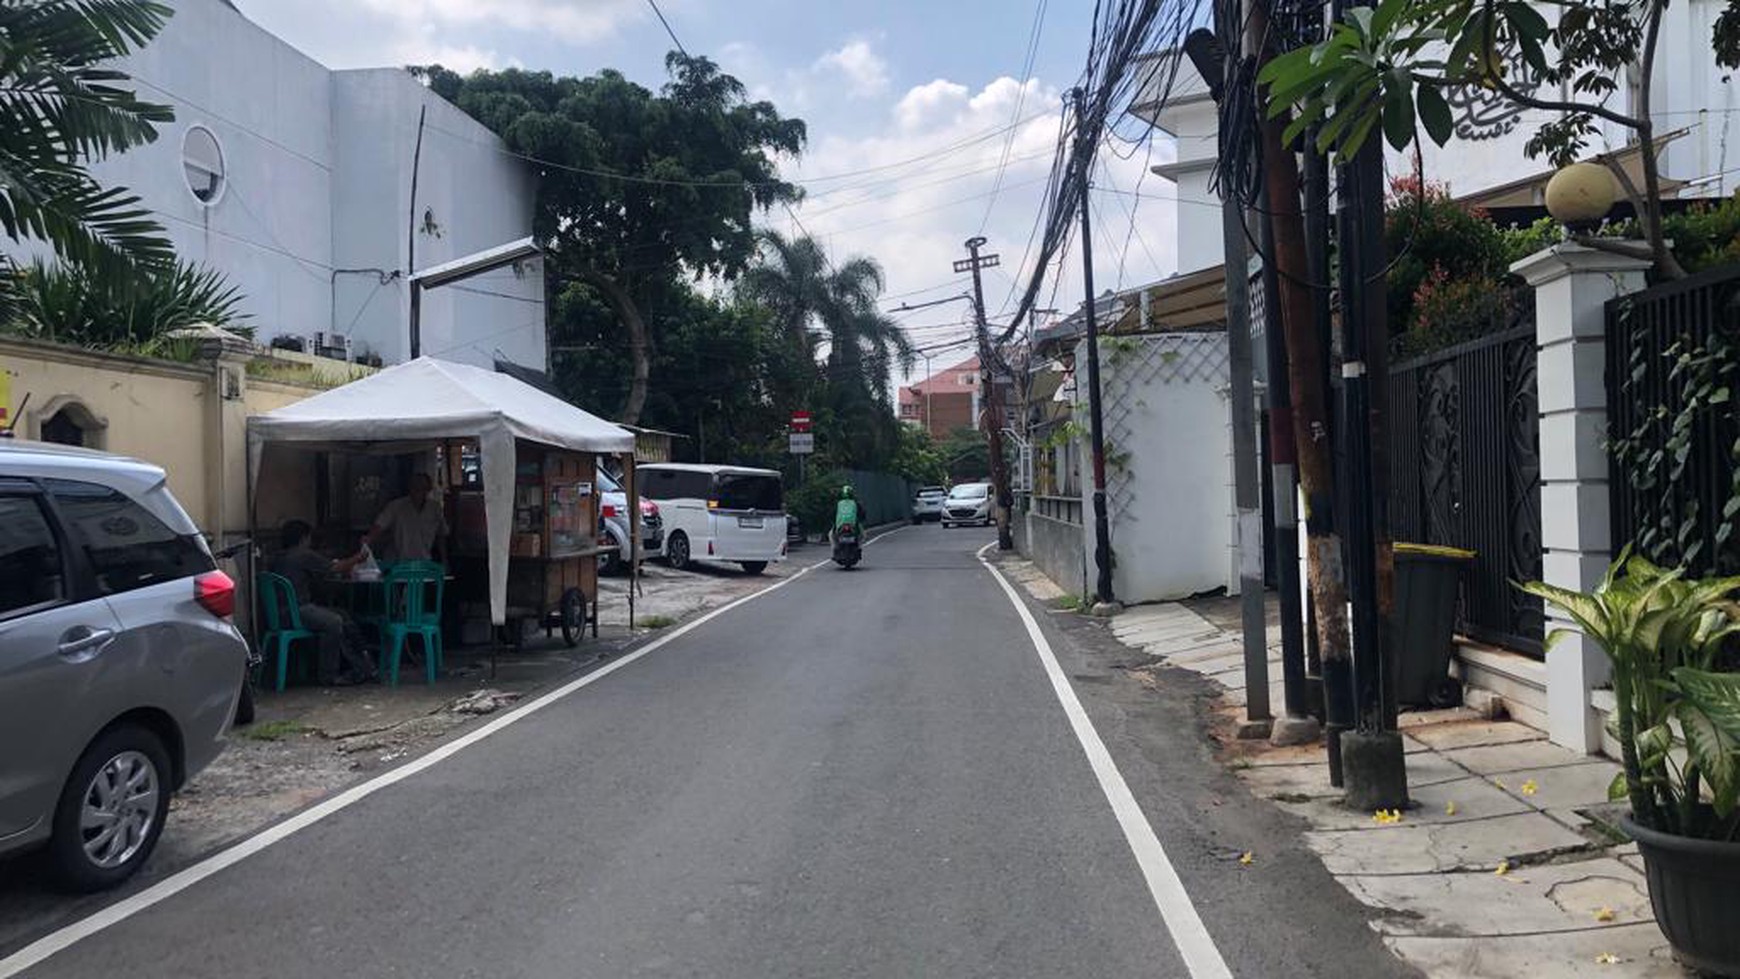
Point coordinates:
pixel 216 593
pixel 648 508
pixel 608 511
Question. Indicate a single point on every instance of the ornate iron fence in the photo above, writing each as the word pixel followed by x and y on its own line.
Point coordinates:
pixel 1673 387
pixel 1464 471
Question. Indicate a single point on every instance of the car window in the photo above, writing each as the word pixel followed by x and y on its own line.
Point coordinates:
pixel 975 491
pixel 606 482
pixel 31 566
pixel 660 484
pixel 741 491
pixel 128 547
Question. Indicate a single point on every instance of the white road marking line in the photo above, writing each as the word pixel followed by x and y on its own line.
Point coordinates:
pixel 1177 911
pixel 181 880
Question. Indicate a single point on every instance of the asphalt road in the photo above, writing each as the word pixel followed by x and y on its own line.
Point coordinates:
pixel 861 773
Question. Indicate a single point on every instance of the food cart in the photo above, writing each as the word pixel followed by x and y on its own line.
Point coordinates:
pixel 517 470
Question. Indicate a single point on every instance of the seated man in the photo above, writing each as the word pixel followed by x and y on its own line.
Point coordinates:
pixel 410 527
pixel 340 641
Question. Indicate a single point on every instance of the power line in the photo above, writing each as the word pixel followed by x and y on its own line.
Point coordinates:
pixel 661 15
pixel 1020 101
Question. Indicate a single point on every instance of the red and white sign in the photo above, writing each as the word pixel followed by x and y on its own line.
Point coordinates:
pixel 800 421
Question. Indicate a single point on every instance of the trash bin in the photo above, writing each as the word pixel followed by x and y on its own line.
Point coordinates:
pixel 1424 628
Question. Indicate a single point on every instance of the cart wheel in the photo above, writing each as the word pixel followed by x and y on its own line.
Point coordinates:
pixel 573 616
pixel 1446 692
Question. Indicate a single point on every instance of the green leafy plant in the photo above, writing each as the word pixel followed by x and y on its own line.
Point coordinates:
pixel 101 308
pixel 1677 715
pixel 1446 311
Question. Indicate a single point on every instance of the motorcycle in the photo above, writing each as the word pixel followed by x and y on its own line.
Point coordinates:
pixel 847 549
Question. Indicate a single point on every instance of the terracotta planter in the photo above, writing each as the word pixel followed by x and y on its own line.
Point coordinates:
pixel 1692 887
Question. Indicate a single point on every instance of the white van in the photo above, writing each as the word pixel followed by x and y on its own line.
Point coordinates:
pixel 717 513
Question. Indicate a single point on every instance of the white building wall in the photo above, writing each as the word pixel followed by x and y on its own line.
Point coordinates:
pixel 317 179
pixel 1167 497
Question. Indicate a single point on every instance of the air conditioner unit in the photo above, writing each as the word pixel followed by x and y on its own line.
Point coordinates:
pixel 333 345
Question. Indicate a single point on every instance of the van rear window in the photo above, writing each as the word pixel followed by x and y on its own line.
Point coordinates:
pixel 737 491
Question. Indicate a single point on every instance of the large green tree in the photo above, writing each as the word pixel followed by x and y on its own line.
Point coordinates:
pixel 637 191
pixel 63 105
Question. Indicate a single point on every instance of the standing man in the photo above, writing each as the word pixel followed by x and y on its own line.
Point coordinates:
pixel 340 642
pixel 411 526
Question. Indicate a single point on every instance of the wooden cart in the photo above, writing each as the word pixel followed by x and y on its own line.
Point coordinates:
pixel 553 555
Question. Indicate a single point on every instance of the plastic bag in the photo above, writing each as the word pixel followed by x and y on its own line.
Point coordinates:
pixel 368 569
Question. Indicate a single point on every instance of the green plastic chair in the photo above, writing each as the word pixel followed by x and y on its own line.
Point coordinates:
pixel 283 617
pixel 409 613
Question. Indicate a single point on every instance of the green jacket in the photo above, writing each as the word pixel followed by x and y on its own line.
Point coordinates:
pixel 848 512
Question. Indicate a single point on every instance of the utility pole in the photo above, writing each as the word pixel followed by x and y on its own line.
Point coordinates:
pixel 1371 755
pixel 1104 600
pixel 991 405
pixel 1209 57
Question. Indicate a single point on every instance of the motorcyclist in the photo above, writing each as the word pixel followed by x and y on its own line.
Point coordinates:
pixel 847 511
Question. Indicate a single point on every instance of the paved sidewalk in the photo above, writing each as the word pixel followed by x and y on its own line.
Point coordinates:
pixel 1497 870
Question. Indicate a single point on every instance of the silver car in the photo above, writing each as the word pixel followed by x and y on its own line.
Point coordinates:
pixel 967 503
pixel 927 503
pixel 613 512
pixel 119 664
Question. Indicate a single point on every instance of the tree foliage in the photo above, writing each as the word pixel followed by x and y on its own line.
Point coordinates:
pixel 637 190
pixel 69 303
pixel 62 106
pixel 1389 67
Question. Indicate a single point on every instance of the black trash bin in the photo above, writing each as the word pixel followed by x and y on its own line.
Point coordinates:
pixel 1427 577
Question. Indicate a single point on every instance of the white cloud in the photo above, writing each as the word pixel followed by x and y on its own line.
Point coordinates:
pixel 865 71
pixel 575 21
pixel 913 189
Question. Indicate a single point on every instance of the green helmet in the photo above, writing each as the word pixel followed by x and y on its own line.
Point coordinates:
pixel 845 492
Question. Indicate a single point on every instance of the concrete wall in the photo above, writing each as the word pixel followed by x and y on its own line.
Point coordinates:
pixel 188 418
pixel 317 173
pixel 1057 547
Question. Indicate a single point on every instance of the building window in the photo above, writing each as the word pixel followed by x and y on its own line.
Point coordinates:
pixel 967 380
pixel 62 430
pixel 202 161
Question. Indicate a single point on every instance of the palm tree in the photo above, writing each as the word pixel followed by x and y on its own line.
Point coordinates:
pixel 817 303
pixel 60 109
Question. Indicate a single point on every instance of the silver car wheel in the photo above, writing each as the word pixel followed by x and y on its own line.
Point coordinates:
pixel 120 809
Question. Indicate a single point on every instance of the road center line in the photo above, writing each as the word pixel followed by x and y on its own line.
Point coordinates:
pixel 1177 911
pixel 63 938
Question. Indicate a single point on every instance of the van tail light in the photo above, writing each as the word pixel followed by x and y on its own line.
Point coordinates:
pixel 709 548
pixel 608 511
pixel 216 593
pixel 712 504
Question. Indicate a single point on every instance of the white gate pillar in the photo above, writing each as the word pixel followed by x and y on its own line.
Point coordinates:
pixel 1572 284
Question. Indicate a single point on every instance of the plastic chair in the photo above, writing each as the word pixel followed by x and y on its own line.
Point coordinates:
pixel 283 620
pixel 409 614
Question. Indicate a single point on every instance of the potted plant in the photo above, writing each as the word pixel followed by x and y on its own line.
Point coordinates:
pixel 1677 720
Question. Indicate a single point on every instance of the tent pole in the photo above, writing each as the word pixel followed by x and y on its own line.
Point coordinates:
pixel 633 534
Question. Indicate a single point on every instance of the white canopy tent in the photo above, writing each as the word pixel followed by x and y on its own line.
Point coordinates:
pixel 427 400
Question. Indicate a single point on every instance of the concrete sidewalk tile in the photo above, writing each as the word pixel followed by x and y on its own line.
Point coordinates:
pixel 1499 758
pixel 1216 664
pixel 1642 952
pixel 1412 745
pixel 1311 780
pixel 1575 786
pixel 1430 768
pixel 1468 734
pixel 1426 718
pixel 1164 636
pixel 1474 800
pixel 1236 694
pixel 1550 898
pixel 1422 849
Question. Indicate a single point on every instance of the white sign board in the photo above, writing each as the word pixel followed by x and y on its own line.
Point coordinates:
pixel 803 443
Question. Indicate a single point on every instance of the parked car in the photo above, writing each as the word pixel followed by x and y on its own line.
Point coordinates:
pixel 720 513
pixel 927 504
pixel 613 511
pixel 120 666
pixel 968 503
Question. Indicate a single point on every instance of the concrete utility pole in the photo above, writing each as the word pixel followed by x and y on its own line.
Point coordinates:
pixel 1372 760
pixel 1104 600
pixel 1216 69
pixel 990 405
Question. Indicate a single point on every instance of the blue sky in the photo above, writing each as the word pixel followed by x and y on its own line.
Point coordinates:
pixel 916 89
